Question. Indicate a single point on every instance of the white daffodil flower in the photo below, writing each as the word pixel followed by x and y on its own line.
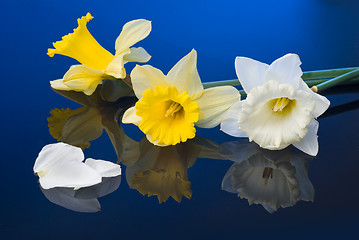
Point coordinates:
pixel 279 110
pixel 170 106
pixel 97 62
pixel 60 165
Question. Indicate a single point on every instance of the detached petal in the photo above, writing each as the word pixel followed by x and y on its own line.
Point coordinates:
pixel 309 144
pixel 145 77
pixel 58 152
pixel 250 72
pixel 132 32
pixel 137 55
pixel 213 103
pixel 184 76
pixel 230 124
pixel 130 117
pixel 72 174
pixel 104 168
pixel 285 70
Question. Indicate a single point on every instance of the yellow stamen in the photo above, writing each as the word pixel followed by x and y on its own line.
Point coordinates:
pixel 174 108
pixel 280 104
pixel 268 172
pixel 41 173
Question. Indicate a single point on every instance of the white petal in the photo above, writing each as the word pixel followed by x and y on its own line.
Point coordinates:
pixel 132 32
pixel 309 144
pixel 137 55
pixel 250 72
pixel 321 102
pixel 213 103
pixel 229 123
pixel 116 66
pixel 130 117
pixel 145 77
pixel 285 70
pixel 184 76
pixel 69 174
pixel 104 168
pixel 55 153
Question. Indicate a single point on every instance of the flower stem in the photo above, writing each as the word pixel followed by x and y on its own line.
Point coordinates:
pixel 319 76
pixel 339 80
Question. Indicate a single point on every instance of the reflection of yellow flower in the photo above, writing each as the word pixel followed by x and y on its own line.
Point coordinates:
pixel 162 171
pixel 98 63
pixel 77 127
pixel 169 106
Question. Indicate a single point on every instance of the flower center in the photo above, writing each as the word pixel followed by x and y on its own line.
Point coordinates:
pixel 267 173
pixel 173 109
pixel 167 116
pixel 280 104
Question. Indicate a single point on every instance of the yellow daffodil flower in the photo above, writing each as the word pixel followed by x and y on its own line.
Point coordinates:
pixel 279 110
pixel 170 106
pixel 97 62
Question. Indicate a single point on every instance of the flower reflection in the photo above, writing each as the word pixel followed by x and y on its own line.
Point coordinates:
pixel 273 179
pixel 101 111
pixel 84 199
pixel 162 171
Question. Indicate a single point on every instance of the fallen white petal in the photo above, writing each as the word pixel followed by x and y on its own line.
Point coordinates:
pixel 104 168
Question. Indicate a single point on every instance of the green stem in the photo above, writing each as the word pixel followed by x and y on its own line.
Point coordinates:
pixel 320 76
pixel 337 80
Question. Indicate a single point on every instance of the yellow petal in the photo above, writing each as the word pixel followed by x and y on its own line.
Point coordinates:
pixel 83 47
pixel 116 66
pixel 213 103
pixel 82 79
pixel 145 77
pixel 137 55
pixel 184 76
pixel 130 116
pixel 132 32
pixel 59 85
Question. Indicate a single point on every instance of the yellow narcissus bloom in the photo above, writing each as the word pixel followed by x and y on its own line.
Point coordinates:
pixel 279 110
pixel 170 106
pixel 97 62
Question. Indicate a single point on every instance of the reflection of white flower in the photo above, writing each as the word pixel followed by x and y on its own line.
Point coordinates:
pixel 280 109
pixel 273 179
pixel 60 165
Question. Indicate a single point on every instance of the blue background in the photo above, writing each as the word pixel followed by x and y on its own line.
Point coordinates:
pixel 325 34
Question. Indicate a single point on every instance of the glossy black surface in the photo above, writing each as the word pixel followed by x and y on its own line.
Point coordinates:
pixel 323 33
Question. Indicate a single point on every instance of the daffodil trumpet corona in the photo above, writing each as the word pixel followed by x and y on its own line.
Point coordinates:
pixel 97 63
pixel 170 106
pixel 280 108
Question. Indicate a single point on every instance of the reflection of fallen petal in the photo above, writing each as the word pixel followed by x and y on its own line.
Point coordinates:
pixel 273 179
pixel 63 197
pixel 84 199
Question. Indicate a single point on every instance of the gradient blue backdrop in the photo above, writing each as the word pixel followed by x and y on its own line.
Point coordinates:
pixel 324 33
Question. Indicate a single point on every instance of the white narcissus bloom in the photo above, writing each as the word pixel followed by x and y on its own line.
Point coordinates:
pixel 169 106
pixel 279 110
pixel 97 62
pixel 60 165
